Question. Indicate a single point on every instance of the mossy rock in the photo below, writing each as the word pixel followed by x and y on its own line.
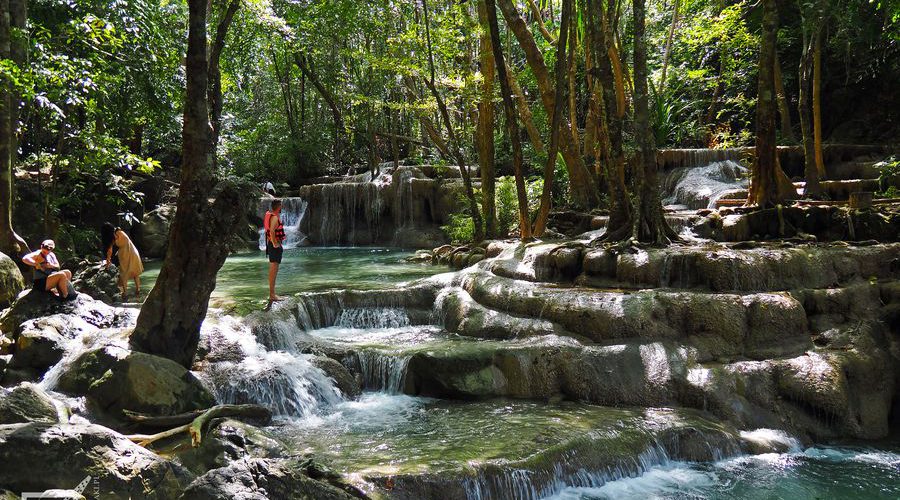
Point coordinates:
pixel 11 280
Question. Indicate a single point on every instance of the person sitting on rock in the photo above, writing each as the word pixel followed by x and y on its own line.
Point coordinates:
pixel 48 276
pixel 130 265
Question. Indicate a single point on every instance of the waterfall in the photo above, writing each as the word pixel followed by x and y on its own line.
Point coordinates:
pixel 285 382
pixel 702 186
pixel 373 317
pixel 288 385
pixel 382 371
pixel 292 215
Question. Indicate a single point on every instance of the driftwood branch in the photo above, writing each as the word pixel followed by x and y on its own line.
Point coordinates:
pixel 194 423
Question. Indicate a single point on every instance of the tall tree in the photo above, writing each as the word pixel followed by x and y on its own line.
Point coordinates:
pixel 610 116
pixel 215 73
pixel 456 149
pixel 556 117
pixel 768 184
pixel 12 47
pixel 485 126
pixel 582 187
pixel 509 107
pixel 649 225
pixel 306 68
pixel 208 213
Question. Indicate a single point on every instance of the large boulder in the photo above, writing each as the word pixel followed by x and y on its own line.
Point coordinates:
pixel 152 236
pixel 11 281
pixel 262 479
pixel 98 282
pixel 27 403
pixel 117 379
pixel 339 373
pixel 81 314
pixel 40 456
pixel 228 441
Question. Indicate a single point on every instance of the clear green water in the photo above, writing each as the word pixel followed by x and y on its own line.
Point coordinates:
pixel 242 283
pixel 390 434
pixel 397 434
pixel 812 474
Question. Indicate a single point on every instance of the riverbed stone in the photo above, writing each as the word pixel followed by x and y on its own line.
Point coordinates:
pixel 152 235
pixel 41 456
pixel 26 403
pixel 117 379
pixel 11 280
pixel 343 379
pixel 263 479
pixel 226 441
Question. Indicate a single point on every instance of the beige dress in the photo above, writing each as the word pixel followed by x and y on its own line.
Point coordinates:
pixel 130 265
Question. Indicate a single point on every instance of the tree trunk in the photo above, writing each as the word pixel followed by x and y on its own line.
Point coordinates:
pixel 581 184
pixel 767 182
pixel 485 126
pixel 558 109
pixel 668 51
pixel 306 69
pixel 525 112
pixel 284 81
pixel 610 123
pixel 12 24
pixel 810 171
pixel 509 107
pixel 169 322
pixel 539 19
pixel 649 225
pixel 783 110
pixel 215 74
pixel 817 102
pixel 451 134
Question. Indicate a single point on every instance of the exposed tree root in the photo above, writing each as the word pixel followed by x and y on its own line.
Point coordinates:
pixel 194 423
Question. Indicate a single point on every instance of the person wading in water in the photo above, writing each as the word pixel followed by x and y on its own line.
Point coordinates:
pixel 274 237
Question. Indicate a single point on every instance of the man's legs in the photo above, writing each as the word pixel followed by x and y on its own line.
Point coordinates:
pixel 60 281
pixel 273 273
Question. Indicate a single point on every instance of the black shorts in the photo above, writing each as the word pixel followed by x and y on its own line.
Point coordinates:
pixel 274 253
pixel 40 284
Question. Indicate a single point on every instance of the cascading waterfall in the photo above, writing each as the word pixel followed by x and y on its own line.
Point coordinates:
pixel 373 317
pixel 703 185
pixel 285 382
pixel 293 211
pixel 381 371
pixel 575 471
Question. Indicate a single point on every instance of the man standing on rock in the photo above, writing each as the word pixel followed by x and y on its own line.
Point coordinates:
pixel 274 237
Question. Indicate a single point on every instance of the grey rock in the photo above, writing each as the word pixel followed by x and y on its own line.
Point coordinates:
pixel 26 403
pixel 11 280
pixel 263 479
pixel 65 454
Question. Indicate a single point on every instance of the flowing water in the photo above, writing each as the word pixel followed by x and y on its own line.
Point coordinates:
pixel 416 447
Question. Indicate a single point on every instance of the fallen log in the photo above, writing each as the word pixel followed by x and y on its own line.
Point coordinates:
pixel 196 423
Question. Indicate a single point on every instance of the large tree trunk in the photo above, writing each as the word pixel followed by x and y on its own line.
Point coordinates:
pixel 768 184
pixel 558 109
pixel 214 94
pixel 649 225
pixel 611 124
pixel 509 107
pixel 810 172
pixel 784 112
pixel 581 184
pixel 12 46
pixel 817 102
pixel 485 127
pixel 170 319
pixel 307 71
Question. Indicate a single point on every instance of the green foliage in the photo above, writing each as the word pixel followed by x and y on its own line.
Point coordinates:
pixel 889 177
